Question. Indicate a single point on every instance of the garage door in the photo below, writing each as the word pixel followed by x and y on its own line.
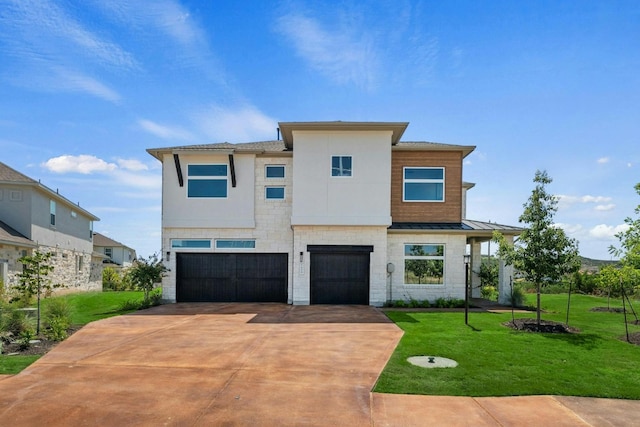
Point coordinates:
pixel 231 277
pixel 340 274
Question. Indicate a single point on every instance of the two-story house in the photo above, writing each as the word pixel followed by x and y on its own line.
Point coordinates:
pixel 114 252
pixel 34 217
pixel 332 213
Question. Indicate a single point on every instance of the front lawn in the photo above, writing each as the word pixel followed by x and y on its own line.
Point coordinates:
pixel 86 307
pixel 497 361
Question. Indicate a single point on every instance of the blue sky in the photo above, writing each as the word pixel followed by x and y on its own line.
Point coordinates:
pixel 86 86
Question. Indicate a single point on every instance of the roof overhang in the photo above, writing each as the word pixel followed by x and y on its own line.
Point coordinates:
pixel 287 128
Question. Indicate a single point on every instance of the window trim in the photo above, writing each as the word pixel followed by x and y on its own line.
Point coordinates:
pixel 266 174
pixel 331 165
pixel 284 192
pixel 253 241
pixel 425 257
pixel 208 178
pixel 423 181
pixel 180 243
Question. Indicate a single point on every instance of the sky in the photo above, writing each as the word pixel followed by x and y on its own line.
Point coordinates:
pixel 87 86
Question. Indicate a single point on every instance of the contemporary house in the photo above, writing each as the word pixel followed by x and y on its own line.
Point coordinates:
pixel 331 213
pixel 34 217
pixel 114 252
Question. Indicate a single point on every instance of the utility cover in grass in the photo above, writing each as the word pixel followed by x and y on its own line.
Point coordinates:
pixel 432 362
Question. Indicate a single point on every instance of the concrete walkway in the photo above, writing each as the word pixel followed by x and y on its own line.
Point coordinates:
pixel 255 364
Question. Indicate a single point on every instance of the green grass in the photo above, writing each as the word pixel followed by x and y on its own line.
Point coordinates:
pixel 497 361
pixel 86 307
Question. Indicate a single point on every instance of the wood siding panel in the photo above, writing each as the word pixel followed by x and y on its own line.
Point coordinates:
pixel 448 211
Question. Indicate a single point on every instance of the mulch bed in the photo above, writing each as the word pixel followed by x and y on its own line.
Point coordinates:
pixel 633 338
pixel 43 346
pixel 546 326
pixel 608 309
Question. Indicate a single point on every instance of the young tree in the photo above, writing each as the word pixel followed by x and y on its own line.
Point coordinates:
pixel 543 251
pixel 145 273
pixel 34 280
pixel 629 250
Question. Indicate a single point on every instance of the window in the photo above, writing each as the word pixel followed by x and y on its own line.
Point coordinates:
pixel 194 244
pixel 235 244
pixel 108 252
pixel 52 212
pixel 207 181
pixel 80 262
pixel 423 264
pixel 423 185
pixel 274 171
pixel 341 165
pixel 90 230
pixel 274 193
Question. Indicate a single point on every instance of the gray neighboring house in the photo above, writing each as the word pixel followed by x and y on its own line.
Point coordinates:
pixel 35 217
pixel 114 251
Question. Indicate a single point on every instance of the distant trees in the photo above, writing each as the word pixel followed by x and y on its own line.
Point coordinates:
pixel 543 252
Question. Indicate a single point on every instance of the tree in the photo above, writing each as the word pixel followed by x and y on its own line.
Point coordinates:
pixel 145 273
pixel 543 252
pixel 34 280
pixel 629 250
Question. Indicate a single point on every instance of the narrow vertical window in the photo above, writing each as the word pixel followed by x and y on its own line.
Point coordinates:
pixel 52 212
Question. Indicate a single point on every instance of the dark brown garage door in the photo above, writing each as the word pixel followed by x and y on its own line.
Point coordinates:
pixel 340 274
pixel 231 277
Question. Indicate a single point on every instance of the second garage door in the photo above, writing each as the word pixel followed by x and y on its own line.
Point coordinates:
pixel 340 274
pixel 206 277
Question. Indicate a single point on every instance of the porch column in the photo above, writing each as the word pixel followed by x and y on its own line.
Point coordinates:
pixel 505 276
pixel 476 261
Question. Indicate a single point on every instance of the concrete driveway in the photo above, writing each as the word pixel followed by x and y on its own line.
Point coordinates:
pixel 254 364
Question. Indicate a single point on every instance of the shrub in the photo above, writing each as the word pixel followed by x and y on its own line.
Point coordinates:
pixel 489 292
pixel 517 297
pixel 111 280
pixel 399 304
pixel 57 319
pixel 14 321
pixel 425 303
pixel 129 305
pixel 413 303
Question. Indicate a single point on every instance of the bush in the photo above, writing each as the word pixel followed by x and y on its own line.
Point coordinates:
pixel 57 319
pixel 111 280
pixel 489 292
pixel 14 321
pixel 517 297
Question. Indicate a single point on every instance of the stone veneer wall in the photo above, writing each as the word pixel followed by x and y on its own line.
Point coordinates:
pixel 272 230
pixel 340 235
pixel 454 274
pixel 66 268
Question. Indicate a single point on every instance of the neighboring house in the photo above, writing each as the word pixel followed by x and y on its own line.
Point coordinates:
pixel 335 212
pixel 34 217
pixel 114 252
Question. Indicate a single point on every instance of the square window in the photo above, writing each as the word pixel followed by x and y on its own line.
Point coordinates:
pixel 341 165
pixel 209 181
pixel 424 264
pixel 423 185
pixel 274 171
pixel 274 193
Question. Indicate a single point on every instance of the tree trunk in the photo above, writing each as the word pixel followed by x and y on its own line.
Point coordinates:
pixel 538 305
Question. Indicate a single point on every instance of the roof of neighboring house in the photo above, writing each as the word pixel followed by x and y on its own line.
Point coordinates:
pixel 9 175
pixel 10 236
pixel 102 240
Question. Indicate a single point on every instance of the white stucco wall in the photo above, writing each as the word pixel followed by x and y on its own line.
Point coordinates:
pixel 362 199
pixel 272 230
pixel 339 235
pixel 234 211
pixel 454 274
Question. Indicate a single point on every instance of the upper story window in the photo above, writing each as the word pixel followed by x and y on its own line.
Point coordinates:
pixel 423 264
pixel 274 193
pixel 108 252
pixel 52 212
pixel 207 181
pixel 274 171
pixel 341 165
pixel 423 185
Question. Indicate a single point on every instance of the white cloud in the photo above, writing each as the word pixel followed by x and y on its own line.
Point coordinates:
pixel 345 54
pixel 605 208
pixel 84 164
pixel 78 82
pixel 573 229
pixel 603 160
pixel 163 131
pixel 131 164
pixel 241 124
pixel 603 231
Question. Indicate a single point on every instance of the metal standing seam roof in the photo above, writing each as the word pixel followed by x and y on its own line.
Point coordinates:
pixel 464 226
